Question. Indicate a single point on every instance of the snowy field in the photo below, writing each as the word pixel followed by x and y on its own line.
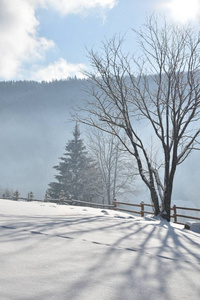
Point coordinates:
pixel 50 251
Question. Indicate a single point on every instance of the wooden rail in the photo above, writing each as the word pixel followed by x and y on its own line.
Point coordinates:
pixel 116 206
pixel 64 201
pixel 142 210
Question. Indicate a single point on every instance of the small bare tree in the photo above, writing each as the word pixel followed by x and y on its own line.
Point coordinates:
pixel 161 88
pixel 117 172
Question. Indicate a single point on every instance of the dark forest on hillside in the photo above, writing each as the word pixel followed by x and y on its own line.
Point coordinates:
pixel 34 121
pixel 35 126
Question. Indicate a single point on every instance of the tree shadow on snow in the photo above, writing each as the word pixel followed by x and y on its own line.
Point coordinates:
pixel 86 255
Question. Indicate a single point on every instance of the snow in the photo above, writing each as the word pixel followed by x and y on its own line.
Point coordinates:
pixel 194 226
pixel 50 251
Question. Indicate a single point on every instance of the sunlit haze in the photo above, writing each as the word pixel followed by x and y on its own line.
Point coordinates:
pixel 184 10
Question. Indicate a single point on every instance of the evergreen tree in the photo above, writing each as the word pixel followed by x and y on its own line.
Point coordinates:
pixel 76 171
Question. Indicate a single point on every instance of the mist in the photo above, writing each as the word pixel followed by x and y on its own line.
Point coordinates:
pixel 35 127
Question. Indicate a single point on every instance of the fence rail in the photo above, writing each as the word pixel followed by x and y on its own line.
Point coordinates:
pixel 63 201
pixel 116 206
pixel 142 210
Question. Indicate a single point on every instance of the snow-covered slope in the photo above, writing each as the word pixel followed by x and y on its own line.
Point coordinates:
pixel 50 251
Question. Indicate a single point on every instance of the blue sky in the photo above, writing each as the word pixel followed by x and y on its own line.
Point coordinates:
pixel 47 39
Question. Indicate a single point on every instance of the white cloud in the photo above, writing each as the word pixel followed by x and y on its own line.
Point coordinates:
pixel 80 6
pixel 19 39
pixel 60 69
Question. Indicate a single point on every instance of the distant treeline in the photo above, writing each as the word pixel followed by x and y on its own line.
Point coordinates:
pixel 32 92
pixel 34 126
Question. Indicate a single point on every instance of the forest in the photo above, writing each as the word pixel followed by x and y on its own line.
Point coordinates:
pixel 36 125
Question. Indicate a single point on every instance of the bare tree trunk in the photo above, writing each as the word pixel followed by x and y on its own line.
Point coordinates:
pixel 155 201
pixel 117 175
pixel 163 90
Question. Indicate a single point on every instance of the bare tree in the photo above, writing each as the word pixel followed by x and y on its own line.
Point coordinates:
pixel 117 172
pixel 161 88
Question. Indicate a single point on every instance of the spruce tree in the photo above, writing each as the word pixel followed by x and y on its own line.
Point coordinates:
pixel 76 171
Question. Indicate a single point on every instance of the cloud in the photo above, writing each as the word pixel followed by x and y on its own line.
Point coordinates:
pixel 18 37
pixel 60 69
pixel 80 6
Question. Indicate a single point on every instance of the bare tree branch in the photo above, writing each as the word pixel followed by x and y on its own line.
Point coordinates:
pixel 162 93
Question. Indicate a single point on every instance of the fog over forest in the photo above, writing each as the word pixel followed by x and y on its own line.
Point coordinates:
pixel 35 127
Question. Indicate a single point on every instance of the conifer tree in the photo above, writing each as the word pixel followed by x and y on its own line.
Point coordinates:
pixel 76 171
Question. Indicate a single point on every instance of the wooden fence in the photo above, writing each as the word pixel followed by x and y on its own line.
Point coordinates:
pixel 62 201
pixel 141 208
pixel 143 211
pixel 85 203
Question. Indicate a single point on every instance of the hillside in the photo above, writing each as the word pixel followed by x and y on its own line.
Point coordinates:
pixel 51 251
pixel 34 129
pixel 34 122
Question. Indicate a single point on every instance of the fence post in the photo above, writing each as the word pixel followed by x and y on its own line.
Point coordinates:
pixel 115 204
pixel 30 196
pixel 174 215
pixel 16 195
pixel 62 196
pixel 142 209
pixel 47 196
